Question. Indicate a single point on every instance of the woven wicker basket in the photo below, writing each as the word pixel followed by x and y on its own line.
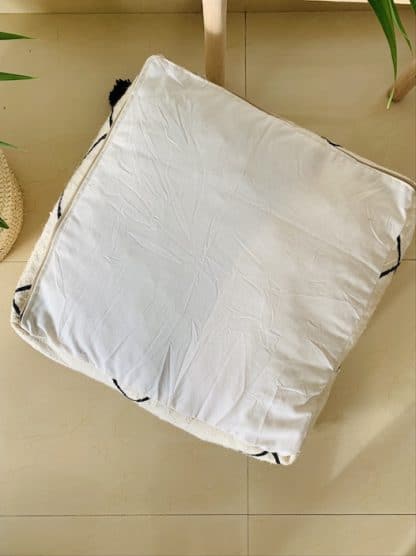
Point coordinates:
pixel 11 207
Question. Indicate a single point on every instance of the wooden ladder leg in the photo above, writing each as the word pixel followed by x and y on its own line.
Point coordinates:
pixel 215 19
pixel 405 82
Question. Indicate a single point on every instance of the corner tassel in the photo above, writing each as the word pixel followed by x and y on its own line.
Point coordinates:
pixel 120 87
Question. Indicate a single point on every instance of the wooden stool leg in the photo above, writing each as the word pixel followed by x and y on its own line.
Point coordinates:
pixel 405 82
pixel 215 17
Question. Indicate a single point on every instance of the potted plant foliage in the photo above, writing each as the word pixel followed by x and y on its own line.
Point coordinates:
pixel 11 200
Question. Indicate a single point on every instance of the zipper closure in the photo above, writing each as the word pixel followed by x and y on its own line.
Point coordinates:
pixel 376 166
pixel 122 103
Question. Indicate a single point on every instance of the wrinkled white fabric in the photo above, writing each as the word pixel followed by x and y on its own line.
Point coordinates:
pixel 217 260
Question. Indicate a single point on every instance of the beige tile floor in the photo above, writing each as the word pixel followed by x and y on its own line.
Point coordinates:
pixel 84 473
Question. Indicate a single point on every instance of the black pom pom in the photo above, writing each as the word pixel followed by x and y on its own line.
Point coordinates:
pixel 120 87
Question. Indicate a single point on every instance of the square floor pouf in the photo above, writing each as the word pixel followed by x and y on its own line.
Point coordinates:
pixel 213 263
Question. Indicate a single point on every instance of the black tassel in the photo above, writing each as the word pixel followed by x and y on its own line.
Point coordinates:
pixel 120 87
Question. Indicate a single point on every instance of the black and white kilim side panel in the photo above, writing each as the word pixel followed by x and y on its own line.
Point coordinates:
pixel 261 454
pixel 18 291
pixel 331 142
pixel 399 257
pixel 59 207
pixel 139 400
pixel 120 87
pixel 98 141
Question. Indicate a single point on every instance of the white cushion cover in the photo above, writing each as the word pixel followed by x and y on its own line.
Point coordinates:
pixel 214 262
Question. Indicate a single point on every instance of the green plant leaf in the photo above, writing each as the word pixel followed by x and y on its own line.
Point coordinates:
pixel 383 11
pixel 12 76
pixel 4 144
pixel 3 223
pixel 11 36
pixel 413 4
pixel 399 24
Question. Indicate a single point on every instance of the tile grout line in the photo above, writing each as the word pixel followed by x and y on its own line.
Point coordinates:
pixel 198 12
pixel 257 514
pixel 247 508
pixel 247 458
